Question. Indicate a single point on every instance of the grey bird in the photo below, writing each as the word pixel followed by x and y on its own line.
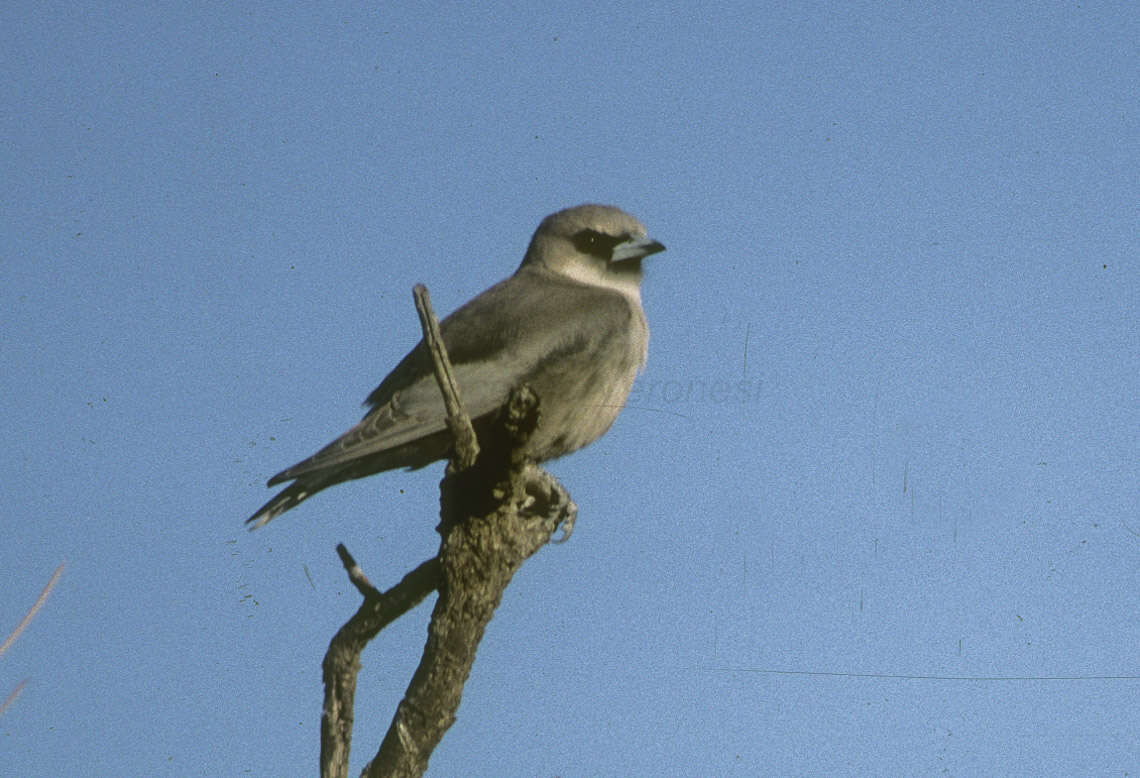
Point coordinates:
pixel 569 323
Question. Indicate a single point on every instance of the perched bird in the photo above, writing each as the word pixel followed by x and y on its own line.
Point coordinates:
pixel 569 323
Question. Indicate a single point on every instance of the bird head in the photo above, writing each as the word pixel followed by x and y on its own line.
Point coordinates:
pixel 595 244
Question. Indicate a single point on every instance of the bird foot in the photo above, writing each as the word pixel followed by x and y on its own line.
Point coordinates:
pixel 550 500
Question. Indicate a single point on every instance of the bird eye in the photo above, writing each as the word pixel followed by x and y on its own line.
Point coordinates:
pixel 595 243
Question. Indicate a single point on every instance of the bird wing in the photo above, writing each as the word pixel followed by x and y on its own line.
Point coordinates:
pixel 495 342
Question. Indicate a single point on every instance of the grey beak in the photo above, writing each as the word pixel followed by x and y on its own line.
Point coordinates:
pixel 636 248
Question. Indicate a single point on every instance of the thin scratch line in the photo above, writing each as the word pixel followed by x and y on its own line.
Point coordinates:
pixel 902 677
pixel 747 336
pixel 647 408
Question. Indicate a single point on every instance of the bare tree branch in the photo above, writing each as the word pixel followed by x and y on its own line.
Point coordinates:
pixel 496 509
pixel 495 515
pixel 13 695
pixel 342 660
pixel 24 622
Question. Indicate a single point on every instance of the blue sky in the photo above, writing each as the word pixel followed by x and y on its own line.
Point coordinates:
pixel 873 508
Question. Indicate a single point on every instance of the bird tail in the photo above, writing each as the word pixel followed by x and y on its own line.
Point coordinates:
pixel 307 482
pixel 290 497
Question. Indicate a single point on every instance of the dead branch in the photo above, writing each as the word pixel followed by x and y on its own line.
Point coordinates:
pixel 497 509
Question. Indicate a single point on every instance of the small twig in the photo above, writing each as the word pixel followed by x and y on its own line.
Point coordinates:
pixel 466 445
pixel 12 696
pixel 24 622
pixel 355 575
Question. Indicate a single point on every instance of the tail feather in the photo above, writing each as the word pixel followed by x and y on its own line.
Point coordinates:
pixel 289 498
pixel 413 455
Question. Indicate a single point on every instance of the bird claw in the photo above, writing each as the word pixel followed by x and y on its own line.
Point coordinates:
pixel 566 522
pixel 551 501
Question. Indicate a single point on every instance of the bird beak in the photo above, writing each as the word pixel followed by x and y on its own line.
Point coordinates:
pixel 635 248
